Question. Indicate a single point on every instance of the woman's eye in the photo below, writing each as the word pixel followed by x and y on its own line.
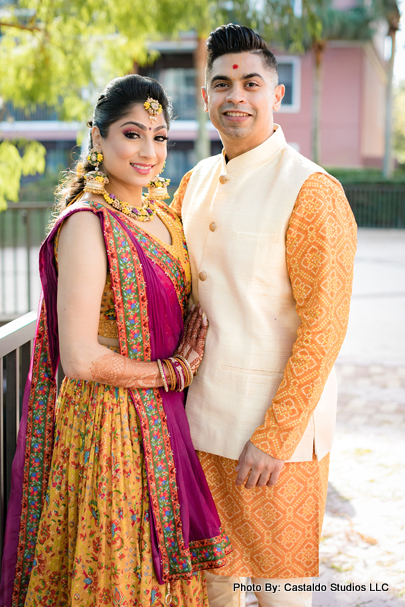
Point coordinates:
pixel 131 134
pixel 161 138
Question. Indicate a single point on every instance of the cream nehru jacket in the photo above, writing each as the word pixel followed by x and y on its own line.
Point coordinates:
pixel 235 217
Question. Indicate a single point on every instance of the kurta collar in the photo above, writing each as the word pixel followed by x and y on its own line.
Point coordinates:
pixel 262 152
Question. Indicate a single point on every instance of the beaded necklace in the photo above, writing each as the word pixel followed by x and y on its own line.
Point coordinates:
pixel 144 213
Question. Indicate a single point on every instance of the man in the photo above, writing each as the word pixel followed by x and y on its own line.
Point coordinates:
pixel 272 241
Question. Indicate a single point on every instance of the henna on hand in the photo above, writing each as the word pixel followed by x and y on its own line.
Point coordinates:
pixel 193 341
pixel 117 370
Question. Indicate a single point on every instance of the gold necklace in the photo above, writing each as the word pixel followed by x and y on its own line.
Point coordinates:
pixel 144 213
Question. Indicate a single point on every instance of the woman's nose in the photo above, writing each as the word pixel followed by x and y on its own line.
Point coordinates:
pixel 148 149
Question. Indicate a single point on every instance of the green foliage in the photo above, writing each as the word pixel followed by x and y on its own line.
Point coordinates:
pixel 62 54
pixel 319 21
pixel 364 176
pixel 17 159
pixel 399 123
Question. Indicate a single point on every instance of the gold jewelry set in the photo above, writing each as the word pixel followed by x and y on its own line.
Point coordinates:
pixel 97 180
pixel 179 371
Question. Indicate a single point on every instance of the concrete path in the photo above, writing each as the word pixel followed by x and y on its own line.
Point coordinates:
pixel 363 541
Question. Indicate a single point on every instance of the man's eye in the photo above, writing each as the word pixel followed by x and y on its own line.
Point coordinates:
pixel 251 84
pixel 220 84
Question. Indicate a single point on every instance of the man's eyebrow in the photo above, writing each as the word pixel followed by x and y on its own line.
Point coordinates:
pixel 246 77
pixel 214 78
pixel 253 75
pixel 142 126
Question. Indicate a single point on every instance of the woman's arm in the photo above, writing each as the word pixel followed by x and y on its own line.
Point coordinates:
pixel 82 261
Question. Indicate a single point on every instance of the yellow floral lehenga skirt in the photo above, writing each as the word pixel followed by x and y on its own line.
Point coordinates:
pixel 94 545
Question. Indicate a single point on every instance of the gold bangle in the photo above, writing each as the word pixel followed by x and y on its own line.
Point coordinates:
pixel 186 371
pixel 188 367
pixel 172 374
pixel 162 375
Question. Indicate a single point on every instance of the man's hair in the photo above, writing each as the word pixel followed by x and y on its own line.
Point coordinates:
pixel 233 38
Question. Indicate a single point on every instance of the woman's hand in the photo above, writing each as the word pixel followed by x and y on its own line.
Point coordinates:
pixel 193 341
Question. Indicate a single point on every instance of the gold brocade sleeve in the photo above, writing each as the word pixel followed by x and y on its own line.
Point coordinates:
pixel 321 245
pixel 178 197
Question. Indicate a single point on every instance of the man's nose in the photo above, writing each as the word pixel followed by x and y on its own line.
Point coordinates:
pixel 236 95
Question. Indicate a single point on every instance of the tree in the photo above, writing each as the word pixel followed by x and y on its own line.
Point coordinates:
pixel 203 16
pixel 389 11
pixel 60 53
pixel 320 24
pixel 399 123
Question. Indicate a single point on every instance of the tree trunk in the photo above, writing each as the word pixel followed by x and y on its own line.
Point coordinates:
pixel 388 166
pixel 318 48
pixel 202 145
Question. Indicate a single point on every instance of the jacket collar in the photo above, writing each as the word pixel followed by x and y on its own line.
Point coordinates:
pixel 258 155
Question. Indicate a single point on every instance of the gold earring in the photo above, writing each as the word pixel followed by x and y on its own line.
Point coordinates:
pixel 95 180
pixel 158 188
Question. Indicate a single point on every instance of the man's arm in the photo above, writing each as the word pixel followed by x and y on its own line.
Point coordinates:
pixel 321 244
pixel 178 197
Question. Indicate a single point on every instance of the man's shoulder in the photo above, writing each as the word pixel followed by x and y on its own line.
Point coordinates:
pixel 207 164
pixel 301 160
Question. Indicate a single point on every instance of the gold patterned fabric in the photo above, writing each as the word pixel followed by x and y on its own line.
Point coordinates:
pixel 274 531
pixel 107 326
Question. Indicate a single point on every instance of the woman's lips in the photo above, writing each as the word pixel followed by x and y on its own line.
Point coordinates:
pixel 142 169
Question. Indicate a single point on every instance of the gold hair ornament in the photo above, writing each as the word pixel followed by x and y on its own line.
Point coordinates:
pixel 153 108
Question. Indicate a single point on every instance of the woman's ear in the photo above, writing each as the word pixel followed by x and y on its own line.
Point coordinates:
pixel 96 137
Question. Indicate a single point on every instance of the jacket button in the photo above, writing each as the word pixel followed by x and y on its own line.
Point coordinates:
pixel 223 179
pixel 203 276
pixel 213 226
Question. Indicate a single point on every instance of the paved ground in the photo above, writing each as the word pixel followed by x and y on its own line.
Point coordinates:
pixel 363 539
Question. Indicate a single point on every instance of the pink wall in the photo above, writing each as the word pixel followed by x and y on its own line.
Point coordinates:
pixel 343 82
pixel 373 111
pixel 297 126
pixel 341 107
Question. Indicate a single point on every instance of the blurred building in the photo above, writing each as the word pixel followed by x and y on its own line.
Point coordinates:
pixel 352 107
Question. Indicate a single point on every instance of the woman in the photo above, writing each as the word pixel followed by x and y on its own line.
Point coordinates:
pixel 127 518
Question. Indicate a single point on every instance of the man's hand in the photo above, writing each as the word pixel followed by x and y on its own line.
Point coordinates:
pixel 264 469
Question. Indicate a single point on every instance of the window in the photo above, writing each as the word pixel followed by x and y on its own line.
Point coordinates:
pixel 289 72
pixel 179 84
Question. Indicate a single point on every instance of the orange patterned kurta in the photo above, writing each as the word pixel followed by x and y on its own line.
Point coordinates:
pixel 275 531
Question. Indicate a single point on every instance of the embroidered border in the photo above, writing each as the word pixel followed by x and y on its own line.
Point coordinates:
pixel 38 457
pixel 178 560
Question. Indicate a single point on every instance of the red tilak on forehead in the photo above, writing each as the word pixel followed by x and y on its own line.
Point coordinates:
pixel 235 66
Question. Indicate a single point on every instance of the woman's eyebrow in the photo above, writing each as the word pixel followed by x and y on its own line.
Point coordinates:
pixel 142 126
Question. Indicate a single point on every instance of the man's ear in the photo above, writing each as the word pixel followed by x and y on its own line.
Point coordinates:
pixel 279 93
pixel 205 97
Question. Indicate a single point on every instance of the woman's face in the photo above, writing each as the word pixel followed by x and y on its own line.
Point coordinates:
pixel 135 148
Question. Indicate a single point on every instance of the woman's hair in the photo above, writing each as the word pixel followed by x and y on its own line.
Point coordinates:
pixel 115 102
pixel 233 38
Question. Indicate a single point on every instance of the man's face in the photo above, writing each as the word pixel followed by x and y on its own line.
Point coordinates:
pixel 241 95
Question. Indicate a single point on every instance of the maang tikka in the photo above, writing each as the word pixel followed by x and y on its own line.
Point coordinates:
pixel 95 180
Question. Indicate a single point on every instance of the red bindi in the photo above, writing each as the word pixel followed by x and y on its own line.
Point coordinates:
pixel 235 66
